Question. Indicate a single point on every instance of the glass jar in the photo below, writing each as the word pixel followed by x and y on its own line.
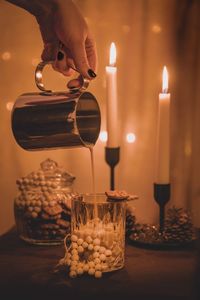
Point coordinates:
pixel 43 207
pixel 100 225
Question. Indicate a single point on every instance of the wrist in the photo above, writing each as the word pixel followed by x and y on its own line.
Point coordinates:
pixel 45 8
pixel 35 7
pixel 42 8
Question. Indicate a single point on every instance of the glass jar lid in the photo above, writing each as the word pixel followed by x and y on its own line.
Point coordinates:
pixel 48 177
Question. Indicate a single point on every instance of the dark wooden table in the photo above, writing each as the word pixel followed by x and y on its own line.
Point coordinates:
pixel 27 272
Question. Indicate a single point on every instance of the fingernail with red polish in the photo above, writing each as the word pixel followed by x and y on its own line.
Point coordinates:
pixel 60 56
pixel 91 73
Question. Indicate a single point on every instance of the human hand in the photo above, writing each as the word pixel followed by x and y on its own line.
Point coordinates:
pixel 64 28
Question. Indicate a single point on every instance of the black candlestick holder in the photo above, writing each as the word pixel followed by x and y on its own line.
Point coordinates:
pixel 162 196
pixel 112 156
pixel 153 236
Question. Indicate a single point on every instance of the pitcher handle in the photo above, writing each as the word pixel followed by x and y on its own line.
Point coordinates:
pixel 40 84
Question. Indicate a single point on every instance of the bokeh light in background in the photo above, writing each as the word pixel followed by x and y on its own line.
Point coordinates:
pixel 6 56
pixel 9 105
pixel 103 136
pixel 130 138
pixel 35 61
pixel 156 28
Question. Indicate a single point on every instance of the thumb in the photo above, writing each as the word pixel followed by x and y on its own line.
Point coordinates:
pixel 80 60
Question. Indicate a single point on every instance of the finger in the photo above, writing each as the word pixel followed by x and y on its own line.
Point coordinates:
pixel 49 52
pixel 91 52
pixel 74 83
pixel 66 72
pixel 61 61
pixel 81 61
pixel 61 64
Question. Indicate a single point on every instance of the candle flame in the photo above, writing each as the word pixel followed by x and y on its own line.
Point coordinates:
pixel 113 55
pixel 165 80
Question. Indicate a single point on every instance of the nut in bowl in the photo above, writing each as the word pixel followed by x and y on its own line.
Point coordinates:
pixel 119 195
pixel 43 206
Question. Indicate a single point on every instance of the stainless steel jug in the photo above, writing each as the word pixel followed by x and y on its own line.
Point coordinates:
pixel 56 119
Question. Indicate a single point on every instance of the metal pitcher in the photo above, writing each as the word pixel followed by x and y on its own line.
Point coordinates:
pixel 47 119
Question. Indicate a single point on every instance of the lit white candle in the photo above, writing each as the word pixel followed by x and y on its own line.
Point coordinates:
pixel 163 134
pixel 112 107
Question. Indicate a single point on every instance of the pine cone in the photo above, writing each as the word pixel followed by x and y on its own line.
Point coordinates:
pixel 178 226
